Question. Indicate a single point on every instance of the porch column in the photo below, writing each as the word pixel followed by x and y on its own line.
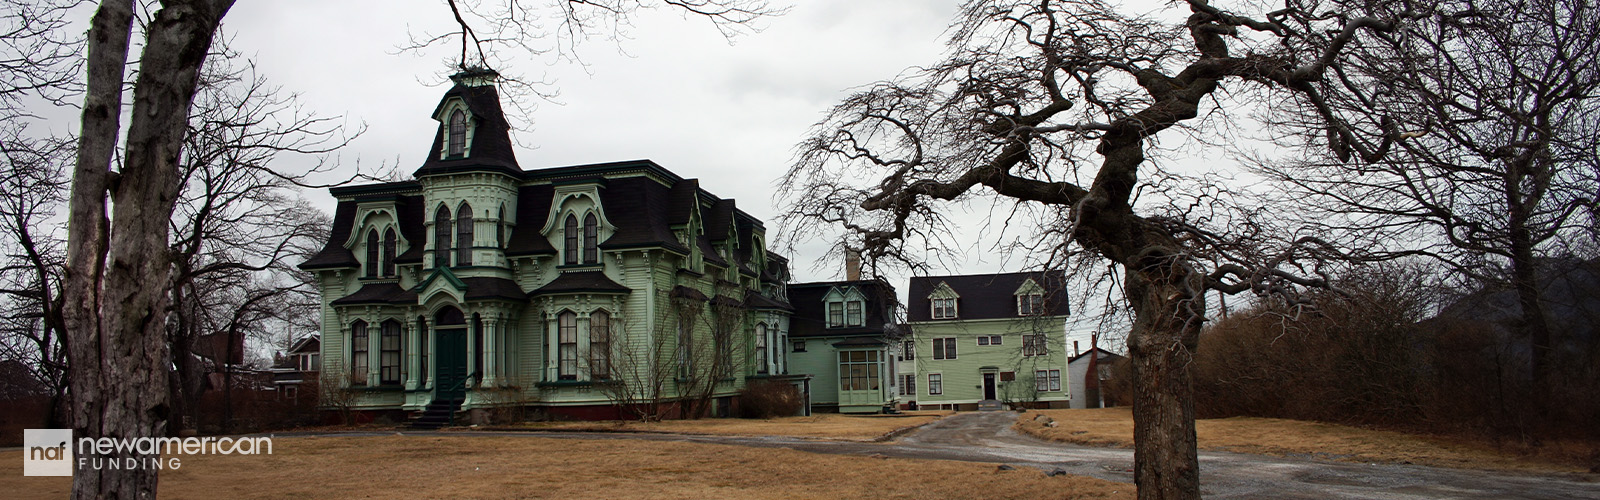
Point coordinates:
pixel 472 350
pixel 413 343
pixel 433 357
pixel 491 333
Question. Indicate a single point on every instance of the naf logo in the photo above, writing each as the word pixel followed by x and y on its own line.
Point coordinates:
pixel 47 452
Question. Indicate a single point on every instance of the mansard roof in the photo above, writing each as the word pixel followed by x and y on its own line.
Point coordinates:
pixel 491 147
pixel 810 317
pixel 987 296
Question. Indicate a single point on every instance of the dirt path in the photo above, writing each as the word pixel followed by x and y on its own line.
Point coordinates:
pixel 987 437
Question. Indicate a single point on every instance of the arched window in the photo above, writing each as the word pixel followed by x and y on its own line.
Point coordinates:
pixel 389 353
pixel 441 237
pixel 372 253
pixel 464 235
pixel 567 344
pixel 572 240
pixel 358 353
pixel 458 133
pixel 761 348
pixel 390 244
pixel 500 228
pixel 599 345
pixel 590 233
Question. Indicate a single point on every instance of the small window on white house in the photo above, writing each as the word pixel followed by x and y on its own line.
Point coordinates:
pixel 852 313
pixel 909 350
pixel 908 385
pixel 835 314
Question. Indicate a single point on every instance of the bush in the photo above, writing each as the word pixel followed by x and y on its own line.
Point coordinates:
pixel 769 399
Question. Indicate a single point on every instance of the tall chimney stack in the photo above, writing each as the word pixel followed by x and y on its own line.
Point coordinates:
pixel 852 264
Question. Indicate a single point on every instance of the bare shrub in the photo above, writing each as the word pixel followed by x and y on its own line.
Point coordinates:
pixel 770 399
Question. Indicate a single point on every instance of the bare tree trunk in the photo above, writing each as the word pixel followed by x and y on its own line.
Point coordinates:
pixel 117 301
pixel 1161 345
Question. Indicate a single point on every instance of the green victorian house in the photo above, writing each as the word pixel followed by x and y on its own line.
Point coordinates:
pixel 589 291
pixel 987 340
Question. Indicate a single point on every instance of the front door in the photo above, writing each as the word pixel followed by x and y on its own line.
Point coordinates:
pixel 451 364
pixel 988 385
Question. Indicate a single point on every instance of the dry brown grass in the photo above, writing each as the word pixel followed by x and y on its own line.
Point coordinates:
pixel 825 425
pixel 533 467
pixel 1271 436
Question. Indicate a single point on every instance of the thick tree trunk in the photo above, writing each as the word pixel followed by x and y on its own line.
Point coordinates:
pixel 1168 315
pixel 117 277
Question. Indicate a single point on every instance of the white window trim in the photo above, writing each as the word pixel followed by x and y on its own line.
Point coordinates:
pixel 931 385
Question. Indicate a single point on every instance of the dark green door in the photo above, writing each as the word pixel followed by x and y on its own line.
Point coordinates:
pixel 452 364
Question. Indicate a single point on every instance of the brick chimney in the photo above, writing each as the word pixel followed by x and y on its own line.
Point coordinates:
pixel 852 265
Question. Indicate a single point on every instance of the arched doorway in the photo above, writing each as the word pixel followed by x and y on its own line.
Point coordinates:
pixel 450 331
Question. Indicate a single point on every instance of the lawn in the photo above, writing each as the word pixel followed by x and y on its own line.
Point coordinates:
pixel 519 466
pixel 822 425
pixel 1114 427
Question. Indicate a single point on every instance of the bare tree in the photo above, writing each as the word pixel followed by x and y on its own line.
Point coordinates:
pixel 32 184
pixel 1056 106
pixel 640 372
pixel 1499 98
pixel 239 225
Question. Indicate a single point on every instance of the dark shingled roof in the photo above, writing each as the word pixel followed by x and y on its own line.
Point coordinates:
pixel 682 200
pixel 585 281
pixel 491 147
pixel 379 293
pixel 709 252
pixel 480 288
pixel 638 207
pixel 859 342
pixel 811 316
pixel 533 207
pixel 411 217
pixel 684 292
pixel 758 301
pixel 718 219
pixel 334 254
pixel 986 296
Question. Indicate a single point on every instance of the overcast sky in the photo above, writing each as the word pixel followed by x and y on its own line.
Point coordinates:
pixel 677 92
pixel 682 95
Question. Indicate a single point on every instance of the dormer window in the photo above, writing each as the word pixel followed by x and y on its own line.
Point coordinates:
pixel 458 133
pixel 571 239
pixel 390 246
pixel 852 313
pixel 372 253
pixel 944 308
pixel 591 233
pixel 1030 304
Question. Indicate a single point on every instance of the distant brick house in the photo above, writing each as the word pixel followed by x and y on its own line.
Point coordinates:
pixel 996 338
pixel 296 369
